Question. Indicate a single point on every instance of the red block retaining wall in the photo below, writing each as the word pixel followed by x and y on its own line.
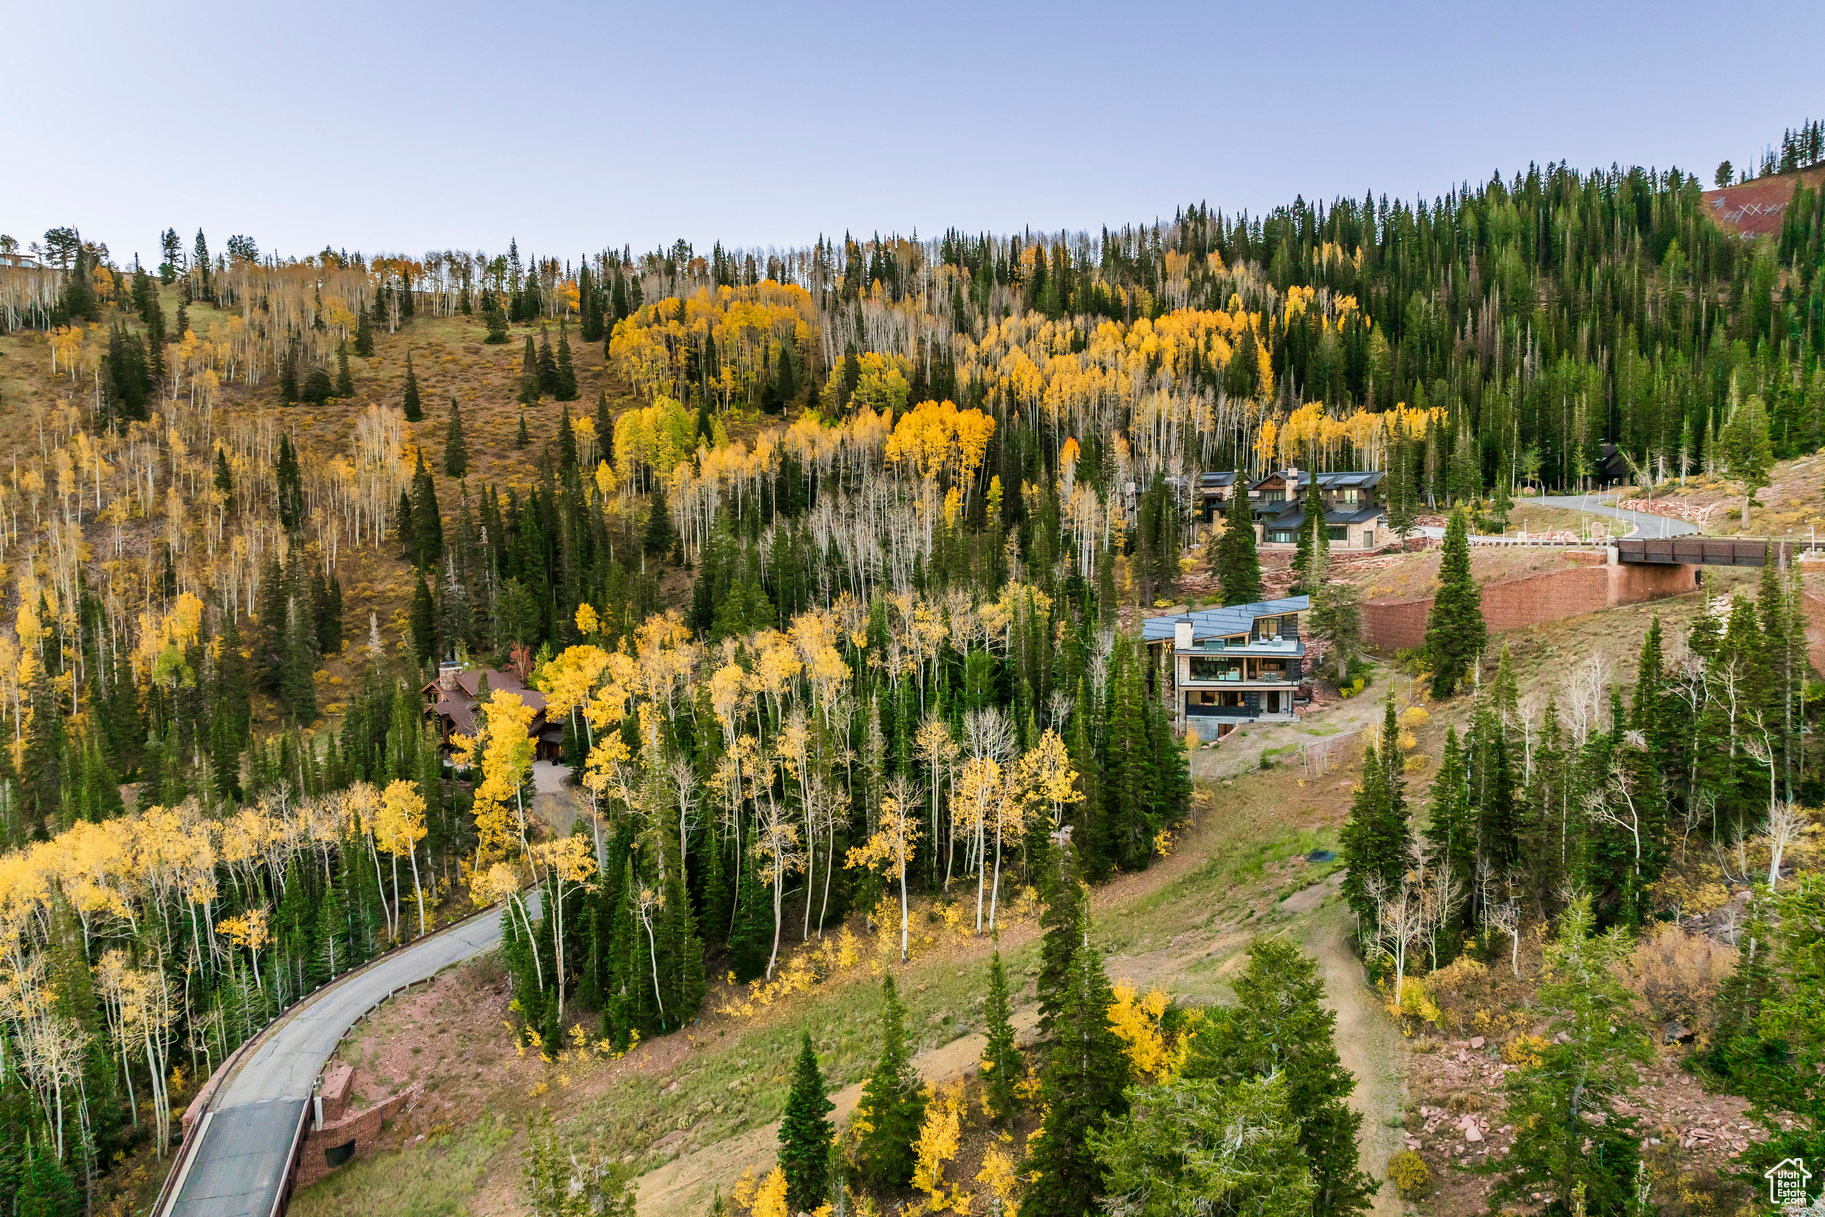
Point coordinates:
pixel 1814 605
pixel 361 1128
pixel 1394 625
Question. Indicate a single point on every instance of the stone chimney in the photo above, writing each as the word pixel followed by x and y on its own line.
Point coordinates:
pixel 446 675
pixel 1181 634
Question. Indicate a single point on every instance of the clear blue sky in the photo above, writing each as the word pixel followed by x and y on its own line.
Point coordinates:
pixel 410 126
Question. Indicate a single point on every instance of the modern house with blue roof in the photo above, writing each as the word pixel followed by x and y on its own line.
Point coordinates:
pixel 1234 665
pixel 1353 519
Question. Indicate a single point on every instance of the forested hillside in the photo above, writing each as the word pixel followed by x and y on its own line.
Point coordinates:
pixel 820 557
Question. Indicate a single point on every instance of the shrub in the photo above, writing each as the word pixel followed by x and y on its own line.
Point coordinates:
pixel 1407 1170
pixel 1527 1051
pixel 1416 1006
pixel 1678 974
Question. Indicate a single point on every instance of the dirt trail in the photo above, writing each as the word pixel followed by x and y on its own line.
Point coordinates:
pixel 1366 1041
pixel 687 1183
pixel 1369 1046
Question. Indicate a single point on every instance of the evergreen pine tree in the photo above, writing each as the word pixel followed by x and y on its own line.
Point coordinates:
pixel 456 452
pixel 605 426
pixel 409 402
pixel 1455 632
pixel 46 1188
pixel 496 321
pixel 318 388
pixel 291 486
pixel 1376 843
pixel 529 375
pixel 1402 499
pixel 567 441
pixel 427 519
pixel 1501 503
pixel 1000 1056
pixel 1451 838
pixel 520 438
pixel 751 928
pixel 1279 1027
pixel 345 381
pixel 547 365
pixel 1238 565
pixel 43 768
pixel 658 538
pixel 224 478
pixel 566 386
pixel 805 1134
pixel 893 1103
pixel 1310 526
pixel 1085 1077
pixel 288 375
pixel 297 688
pixel 364 335
pixel 424 622
pixel 1572 1144
pixel 1058 923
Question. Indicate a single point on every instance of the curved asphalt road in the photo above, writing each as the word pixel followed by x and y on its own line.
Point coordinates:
pixel 243 1147
pixel 1646 526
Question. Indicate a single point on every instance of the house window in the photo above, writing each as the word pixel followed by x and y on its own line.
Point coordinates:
pixel 1273 496
pixel 1347 494
pixel 1282 536
pixel 1339 532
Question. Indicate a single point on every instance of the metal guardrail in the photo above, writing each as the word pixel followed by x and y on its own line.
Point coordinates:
pixel 1518 542
pixel 283 1199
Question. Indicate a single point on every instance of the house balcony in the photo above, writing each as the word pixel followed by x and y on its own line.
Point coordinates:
pixel 1241 713
pixel 1251 646
pixel 1229 681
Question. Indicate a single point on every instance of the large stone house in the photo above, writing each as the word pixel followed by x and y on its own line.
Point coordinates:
pixel 1233 665
pixel 453 697
pixel 1353 518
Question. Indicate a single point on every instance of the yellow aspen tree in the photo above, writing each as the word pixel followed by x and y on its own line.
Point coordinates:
pixel 975 810
pixel 891 845
pixel 398 829
pixel 770 1196
pixel 937 1144
pixel 503 750
pixel 1002 1180
pixel 566 859
pixel 249 930
pixel 776 845
pixel 362 806
pixel 1045 778
pixel 500 884
pixel 935 746
pixel 1137 1020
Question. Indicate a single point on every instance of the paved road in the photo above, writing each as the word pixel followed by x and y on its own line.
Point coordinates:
pixel 1646 526
pixel 246 1138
